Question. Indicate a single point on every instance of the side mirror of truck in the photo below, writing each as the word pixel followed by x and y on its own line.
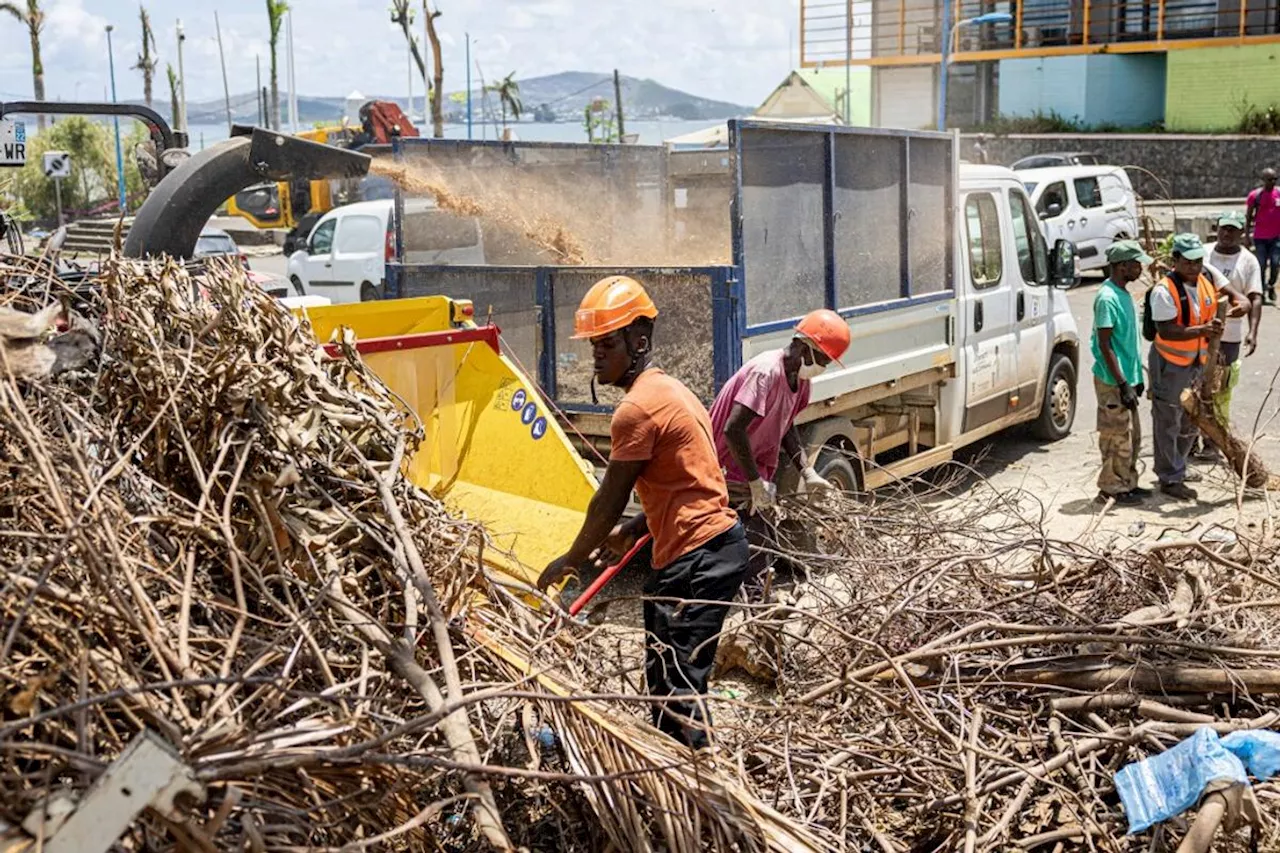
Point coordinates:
pixel 1051 210
pixel 1062 265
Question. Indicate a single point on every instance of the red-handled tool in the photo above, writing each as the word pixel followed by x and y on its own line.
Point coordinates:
pixel 607 575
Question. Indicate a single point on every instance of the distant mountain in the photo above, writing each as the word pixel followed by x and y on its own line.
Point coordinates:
pixel 563 96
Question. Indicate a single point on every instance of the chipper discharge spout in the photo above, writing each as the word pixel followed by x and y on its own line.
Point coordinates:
pixel 170 220
pixel 492 450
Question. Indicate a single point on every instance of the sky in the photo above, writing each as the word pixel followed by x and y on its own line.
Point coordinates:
pixel 732 50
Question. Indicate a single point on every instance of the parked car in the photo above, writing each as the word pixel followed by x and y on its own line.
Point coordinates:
pixel 345 255
pixel 1057 158
pixel 1091 206
pixel 214 242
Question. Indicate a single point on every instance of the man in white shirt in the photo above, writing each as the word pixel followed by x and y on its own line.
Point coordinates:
pixel 1242 271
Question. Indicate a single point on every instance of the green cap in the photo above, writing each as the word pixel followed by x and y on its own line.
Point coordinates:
pixel 1188 246
pixel 1127 250
pixel 1233 218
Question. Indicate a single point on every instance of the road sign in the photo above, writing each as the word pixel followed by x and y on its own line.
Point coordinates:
pixel 57 164
pixel 13 143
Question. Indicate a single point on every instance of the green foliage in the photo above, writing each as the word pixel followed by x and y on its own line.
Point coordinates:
pixel 1052 123
pixel 597 120
pixel 93 166
pixel 1258 122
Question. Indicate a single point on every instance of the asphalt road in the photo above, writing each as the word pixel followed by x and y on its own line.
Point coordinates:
pixel 1062 475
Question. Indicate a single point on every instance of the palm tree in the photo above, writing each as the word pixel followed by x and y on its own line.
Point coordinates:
pixel 173 90
pixel 436 89
pixel 402 16
pixel 276 10
pixel 146 60
pixel 33 18
pixel 508 92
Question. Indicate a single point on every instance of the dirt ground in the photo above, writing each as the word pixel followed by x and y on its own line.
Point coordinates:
pixel 1064 474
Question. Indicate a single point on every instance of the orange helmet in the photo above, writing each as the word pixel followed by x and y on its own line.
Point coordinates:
pixel 611 304
pixel 826 330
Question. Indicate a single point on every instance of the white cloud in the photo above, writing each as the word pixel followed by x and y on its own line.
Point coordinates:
pixel 734 50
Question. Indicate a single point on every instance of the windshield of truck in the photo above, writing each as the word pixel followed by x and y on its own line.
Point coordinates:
pixel 262 201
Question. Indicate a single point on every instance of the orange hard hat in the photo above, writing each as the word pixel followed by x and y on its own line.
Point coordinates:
pixel 826 330
pixel 611 304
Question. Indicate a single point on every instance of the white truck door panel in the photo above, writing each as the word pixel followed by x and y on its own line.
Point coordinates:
pixel 989 336
pixel 1032 305
pixel 319 262
pixel 361 240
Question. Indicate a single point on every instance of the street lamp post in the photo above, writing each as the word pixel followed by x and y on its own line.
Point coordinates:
pixel 111 64
pixel 947 50
pixel 468 85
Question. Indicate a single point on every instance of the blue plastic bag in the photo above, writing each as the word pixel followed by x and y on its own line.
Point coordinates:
pixel 1259 750
pixel 1165 785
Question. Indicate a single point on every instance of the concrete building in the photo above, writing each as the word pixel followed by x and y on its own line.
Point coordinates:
pixel 1193 65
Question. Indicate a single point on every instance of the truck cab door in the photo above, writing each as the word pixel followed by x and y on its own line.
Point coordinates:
pixel 988 338
pixel 1032 304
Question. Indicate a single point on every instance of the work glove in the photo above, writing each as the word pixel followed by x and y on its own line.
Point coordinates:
pixel 1128 397
pixel 812 481
pixel 1141 390
pixel 764 495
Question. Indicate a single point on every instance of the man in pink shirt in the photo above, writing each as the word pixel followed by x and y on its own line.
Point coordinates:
pixel 753 421
pixel 1262 221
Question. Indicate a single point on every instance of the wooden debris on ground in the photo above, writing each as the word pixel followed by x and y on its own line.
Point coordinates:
pixel 206 533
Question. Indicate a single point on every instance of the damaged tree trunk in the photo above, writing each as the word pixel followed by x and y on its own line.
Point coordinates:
pixel 1198 403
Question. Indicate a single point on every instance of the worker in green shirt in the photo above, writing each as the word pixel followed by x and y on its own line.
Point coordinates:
pixel 1117 375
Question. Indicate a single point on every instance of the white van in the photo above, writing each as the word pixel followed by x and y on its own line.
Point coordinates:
pixel 345 256
pixel 1092 206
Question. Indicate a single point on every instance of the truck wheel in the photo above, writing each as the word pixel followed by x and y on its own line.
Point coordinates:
pixel 1058 411
pixel 297 285
pixel 833 464
pixel 368 293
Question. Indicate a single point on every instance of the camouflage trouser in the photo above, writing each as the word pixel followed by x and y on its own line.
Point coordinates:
pixel 1119 438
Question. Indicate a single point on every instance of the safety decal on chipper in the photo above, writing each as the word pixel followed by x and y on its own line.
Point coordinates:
pixel 489 450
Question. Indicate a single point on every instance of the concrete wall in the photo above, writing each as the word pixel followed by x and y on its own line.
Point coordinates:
pixel 1208 86
pixel 1126 91
pixel 1192 166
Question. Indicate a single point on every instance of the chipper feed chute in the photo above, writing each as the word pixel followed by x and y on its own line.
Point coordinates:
pixel 492 449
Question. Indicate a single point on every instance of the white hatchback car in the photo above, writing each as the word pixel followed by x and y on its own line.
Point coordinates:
pixel 1092 206
pixel 345 256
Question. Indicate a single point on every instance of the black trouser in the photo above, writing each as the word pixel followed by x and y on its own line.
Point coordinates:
pixel 681 638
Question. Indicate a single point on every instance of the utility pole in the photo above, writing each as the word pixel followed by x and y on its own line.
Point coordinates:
pixel 468 85
pixel 408 64
pixel 182 83
pixel 257 93
pixel 617 95
pixel 293 101
pixel 222 57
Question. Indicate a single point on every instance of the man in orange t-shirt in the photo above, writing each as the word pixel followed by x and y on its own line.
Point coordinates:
pixel 661 445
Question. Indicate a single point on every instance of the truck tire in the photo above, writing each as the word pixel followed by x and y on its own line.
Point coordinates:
pixel 368 293
pixel 297 285
pixel 833 464
pixel 1058 411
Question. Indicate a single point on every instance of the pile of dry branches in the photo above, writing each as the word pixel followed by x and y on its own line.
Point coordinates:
pixel 206 533
pixel 949 677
